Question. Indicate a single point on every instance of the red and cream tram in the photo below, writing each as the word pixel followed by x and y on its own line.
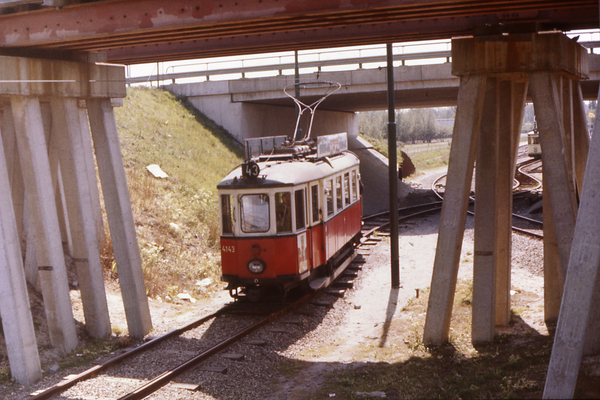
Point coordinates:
pixel 290 217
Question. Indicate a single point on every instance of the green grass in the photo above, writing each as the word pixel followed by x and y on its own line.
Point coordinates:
pixel 422 157
pixel 176 218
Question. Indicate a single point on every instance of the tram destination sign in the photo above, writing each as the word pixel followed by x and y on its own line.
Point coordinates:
pixel 329 145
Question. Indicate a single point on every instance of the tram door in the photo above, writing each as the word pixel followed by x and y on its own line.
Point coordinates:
pixel 302 234
pixel 316 217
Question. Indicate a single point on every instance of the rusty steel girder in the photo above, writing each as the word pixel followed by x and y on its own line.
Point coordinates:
pixel 134 31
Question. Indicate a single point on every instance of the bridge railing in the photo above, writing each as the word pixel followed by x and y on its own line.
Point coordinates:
pixel 338 59
pixel 348 58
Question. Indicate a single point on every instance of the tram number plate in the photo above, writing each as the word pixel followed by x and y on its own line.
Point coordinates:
pixel 228 249
pixel 250 170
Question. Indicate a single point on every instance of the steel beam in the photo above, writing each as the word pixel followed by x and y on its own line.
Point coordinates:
pixel 135 30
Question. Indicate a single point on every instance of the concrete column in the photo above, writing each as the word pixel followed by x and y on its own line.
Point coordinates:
pixel 13 167
pixel 520 96
pixel 580 284
pixel 90 166
pixel 57 184
pixel 560 189
pixel 120 216
pixel 567 112
pixel 553 277
pixel 86 253
pixel 486 218
pixel 17 323
pixel 43 215
pixel 454 209
pixel 511 103
pixel 581 137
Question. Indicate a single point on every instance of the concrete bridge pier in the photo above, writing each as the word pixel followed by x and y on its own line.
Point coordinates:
pixel 495 72
pixel 49 196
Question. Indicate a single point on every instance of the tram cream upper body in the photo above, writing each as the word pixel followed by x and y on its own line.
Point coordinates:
pixel 277 177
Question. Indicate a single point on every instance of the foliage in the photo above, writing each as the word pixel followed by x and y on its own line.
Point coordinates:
pixel 176 218
pixel 413 126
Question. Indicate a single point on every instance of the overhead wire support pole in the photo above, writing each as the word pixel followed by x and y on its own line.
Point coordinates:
pixel 393 171
pixel 298 133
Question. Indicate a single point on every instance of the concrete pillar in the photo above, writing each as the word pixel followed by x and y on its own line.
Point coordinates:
pixel 57 184
pixel 42 212
pixel 90 166
pixel 566 103
pixel 85 253
pixel 581 137
pixel 13 167
pixel 454 209
pixel 486 219
pixel 553 277
pixel 17 323
pixel 580 284
pixel 120 216
pixel 560 189
pixel 512 103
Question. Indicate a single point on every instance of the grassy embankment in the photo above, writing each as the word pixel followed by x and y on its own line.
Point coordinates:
pixel 176 218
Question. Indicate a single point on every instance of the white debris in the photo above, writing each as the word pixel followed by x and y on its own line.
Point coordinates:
pixel 204 282
pixel 187 297
pixel 156 171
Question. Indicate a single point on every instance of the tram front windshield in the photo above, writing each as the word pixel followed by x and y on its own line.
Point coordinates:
pixel 254 212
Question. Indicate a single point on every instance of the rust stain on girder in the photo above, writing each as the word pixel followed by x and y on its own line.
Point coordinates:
pixel 200 27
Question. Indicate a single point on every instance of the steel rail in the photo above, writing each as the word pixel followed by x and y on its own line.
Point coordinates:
pixel 168 376
pixel 514 228
pixel 91 372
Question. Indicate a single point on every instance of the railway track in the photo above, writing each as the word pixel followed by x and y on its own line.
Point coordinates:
pixel 525 182
pixel 240 310
pixel 240 318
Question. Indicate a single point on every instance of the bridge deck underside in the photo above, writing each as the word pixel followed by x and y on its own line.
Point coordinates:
pixel 134 31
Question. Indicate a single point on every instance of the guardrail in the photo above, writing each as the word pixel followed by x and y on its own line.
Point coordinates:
pixel 278 64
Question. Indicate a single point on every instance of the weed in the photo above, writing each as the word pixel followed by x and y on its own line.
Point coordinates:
pixel 177 219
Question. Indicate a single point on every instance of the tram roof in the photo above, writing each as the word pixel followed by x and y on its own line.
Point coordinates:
pixel 290 172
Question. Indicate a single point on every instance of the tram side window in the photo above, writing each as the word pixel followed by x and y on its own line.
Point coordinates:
pixel 338 192
pixel 354 186
pixel 314 193
pixel 346 189
pixel 283 211
pixel 299 197
pixel 254 213
pixel 329 196
pixel 226 214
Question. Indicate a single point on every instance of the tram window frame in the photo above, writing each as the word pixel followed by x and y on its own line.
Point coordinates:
pixel 300 208
pixel 281 203
pixel 328 196
pixel 346 189
pixel 243 215
pixel 354 186
pixel 339 201
pixel 314 194
pixel 227 215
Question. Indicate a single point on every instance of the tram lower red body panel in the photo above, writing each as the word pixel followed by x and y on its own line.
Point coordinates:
pixel 292 256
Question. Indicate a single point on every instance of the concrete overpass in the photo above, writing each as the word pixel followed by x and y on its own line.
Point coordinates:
pixel 258 107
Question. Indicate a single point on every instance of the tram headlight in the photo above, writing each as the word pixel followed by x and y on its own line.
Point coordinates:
pixel 256 266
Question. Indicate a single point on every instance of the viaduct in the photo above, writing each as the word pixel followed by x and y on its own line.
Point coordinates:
pixel 58 79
